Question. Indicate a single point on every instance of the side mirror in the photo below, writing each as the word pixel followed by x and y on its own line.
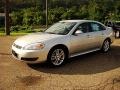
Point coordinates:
pixel 109 28
pixel 78 32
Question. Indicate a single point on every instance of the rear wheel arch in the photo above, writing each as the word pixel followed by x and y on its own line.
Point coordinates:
pixel 106 45
pixel 108 40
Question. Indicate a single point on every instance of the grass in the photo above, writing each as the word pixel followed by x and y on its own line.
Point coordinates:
pixel 21 32
pixel 14 34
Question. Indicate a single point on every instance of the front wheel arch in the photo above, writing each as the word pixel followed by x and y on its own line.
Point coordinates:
pixel 56 47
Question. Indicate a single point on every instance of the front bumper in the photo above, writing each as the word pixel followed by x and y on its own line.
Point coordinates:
pixel 29 56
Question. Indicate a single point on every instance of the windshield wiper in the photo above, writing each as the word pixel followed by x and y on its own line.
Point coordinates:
pixel 50 32
pixel 55 33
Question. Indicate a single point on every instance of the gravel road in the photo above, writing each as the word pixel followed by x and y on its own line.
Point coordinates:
pixel 94 71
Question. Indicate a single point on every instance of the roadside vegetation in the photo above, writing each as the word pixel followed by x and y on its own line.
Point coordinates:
pixel 25 15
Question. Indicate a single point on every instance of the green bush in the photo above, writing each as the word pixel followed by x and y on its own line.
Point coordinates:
pixel 2 29
pixel 21 29
pixel 17 18
pixel 58 10
pixel 14 28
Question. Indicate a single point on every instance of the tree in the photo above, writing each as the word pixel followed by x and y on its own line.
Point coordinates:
pixel 39 18
pixel 7 21
pixel 55 14
pixel 70 13
pixel 92 10
pixel 28 15
pixel 17 17
pixel 46 13
pixel 82 12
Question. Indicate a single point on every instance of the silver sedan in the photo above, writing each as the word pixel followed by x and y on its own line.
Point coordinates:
pixel 63 40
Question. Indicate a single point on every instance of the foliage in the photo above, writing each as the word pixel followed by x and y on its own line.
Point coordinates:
pixel 82 12
pixel 32 12
pixel 17 18
pixel 18 28
pixel 2 29
pixel 55 14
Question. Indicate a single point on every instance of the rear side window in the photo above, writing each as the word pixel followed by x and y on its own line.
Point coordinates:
pixel 83 27
pixel 96 27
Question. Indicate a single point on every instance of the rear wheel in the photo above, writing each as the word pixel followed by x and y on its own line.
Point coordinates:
pixel 106 46
pixel 57 56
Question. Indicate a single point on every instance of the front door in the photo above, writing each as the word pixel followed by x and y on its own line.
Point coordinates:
pixel 80 42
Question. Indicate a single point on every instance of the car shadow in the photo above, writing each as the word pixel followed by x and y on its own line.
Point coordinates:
pixel 92 63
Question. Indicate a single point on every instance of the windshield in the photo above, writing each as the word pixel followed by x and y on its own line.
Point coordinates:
pixel 62 28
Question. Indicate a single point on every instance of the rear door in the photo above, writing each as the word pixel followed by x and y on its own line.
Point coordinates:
pixel 97 32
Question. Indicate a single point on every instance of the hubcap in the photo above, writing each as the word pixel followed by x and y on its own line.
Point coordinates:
pixel 57 57
pixel 106 45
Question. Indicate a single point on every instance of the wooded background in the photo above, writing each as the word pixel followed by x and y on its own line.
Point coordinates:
pixel 32 12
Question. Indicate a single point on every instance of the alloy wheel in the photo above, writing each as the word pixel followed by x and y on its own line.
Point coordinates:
pixel 57 57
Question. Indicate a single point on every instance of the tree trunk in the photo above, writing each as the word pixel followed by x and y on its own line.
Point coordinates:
pixel 46 14
pixel 7 23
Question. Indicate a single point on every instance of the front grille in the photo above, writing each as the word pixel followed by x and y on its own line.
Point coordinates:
pixel 14 53
pixel 17 46
pixel 29 59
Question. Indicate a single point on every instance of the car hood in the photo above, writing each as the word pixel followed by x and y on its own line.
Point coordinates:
pixel 35 37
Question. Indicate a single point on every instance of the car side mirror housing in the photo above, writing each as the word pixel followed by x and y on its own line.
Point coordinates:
pixel 109 28
pixel 78 32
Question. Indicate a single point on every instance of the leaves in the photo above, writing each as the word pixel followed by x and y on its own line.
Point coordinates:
pixel 30 12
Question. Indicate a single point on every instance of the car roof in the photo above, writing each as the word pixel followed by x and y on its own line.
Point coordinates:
pixel 78 21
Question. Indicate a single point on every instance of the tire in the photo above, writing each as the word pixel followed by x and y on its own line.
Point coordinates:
pixel 57 56
pixel 106 46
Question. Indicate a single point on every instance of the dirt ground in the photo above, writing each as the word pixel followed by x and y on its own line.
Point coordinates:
pixel 94 71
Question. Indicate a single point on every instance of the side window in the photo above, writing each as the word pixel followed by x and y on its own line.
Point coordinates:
pixel 83 27
pixel 96 27
pixel 102 27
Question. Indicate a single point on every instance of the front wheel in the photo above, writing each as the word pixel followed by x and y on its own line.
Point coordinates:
pixel 105 46
pixel 57 56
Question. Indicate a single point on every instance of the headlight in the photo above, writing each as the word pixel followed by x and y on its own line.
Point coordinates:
pixel 35 46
